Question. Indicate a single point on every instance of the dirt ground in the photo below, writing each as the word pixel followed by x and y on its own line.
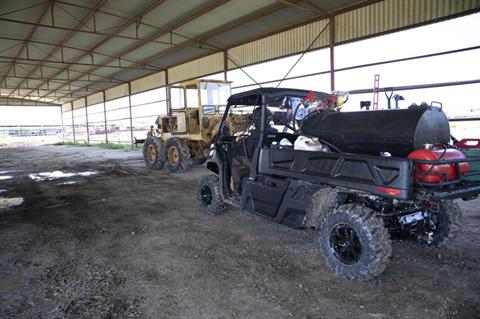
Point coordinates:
pixel 121 242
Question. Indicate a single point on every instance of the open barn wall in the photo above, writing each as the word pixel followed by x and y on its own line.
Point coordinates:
pixel 378 18
pixel 50 57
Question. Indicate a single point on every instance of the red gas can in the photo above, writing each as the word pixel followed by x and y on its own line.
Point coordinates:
pixel 442 172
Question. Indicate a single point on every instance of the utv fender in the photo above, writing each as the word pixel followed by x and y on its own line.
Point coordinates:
pixel 323 201
pixel 213 166
pixel 213 162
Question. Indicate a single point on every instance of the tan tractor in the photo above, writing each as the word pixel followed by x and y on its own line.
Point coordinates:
pixel 184 135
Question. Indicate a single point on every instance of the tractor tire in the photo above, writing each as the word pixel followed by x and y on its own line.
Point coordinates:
pixel 152 153
pixel 209 198
pixel 176 155
pixel 355 243
pixel 448 222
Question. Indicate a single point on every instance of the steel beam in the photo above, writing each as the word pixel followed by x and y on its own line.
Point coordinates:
pixel 63 128
pixel 86 121
pixel 73 122
pixel 331 40
pixel 130 112
pixel 139 23
pixel 21 101
pixel 416 87
pixel 301 7
pixel 201 38
pixel 65 46
pixel 105 116
pixel 66 38
pixel 56 90
pixel 44 60
pixel 39 18
pixel 57 80
pixel 113 80
pixel 165 31
pixel 116 32
pixel 225 65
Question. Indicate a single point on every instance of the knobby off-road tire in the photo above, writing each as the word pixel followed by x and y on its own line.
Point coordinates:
pixel 176 155
pixel 449 222
pixel 152 153
pixel 208 195
pixel 355 243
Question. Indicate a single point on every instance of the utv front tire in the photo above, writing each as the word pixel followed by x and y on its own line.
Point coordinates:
pixel 208 195
pixel 176 155
pixel 355 242
pixel 152 153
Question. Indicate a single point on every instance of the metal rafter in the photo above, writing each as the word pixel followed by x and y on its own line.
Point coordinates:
pixel 39 18
pixel 108 34
pixel 44 60
pixel 62 69
pixel 301 7
pixel 22 101
pixel 139 23
pixel 59 79
pixel 315 8
pixel 165 31
pixel 65 46
pixel 202 38
pixel 116 32
pixel 53 82
pixel 64 40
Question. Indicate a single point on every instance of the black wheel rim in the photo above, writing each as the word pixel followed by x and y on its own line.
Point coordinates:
pixel 206 195
pixel 345 244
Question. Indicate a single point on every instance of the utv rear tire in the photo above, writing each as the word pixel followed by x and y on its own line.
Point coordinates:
pixel 449 222
pixel 355 242
pixel 208 195
pixel 152 153
pixel 176 155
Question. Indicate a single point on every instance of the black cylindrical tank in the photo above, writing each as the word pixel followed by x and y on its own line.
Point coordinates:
pixel 398 132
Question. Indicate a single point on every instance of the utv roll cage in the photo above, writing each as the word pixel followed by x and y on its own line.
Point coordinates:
pixel 259 97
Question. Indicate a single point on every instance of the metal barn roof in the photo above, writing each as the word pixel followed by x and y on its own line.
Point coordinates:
pixel 56 51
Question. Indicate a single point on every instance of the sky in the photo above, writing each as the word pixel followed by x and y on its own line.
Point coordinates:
pixel 458 101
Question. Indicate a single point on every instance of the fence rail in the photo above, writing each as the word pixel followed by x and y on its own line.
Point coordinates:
pixel 30 130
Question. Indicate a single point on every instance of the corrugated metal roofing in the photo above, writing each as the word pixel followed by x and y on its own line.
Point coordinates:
pixel 393 14
pixel 62 50
pixel 206 65
pixel 278 45
pixel 149 82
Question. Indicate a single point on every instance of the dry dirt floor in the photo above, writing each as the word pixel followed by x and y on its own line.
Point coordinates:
pixel 117 241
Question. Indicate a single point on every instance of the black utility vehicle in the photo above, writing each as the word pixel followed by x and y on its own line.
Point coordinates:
pixel 363 184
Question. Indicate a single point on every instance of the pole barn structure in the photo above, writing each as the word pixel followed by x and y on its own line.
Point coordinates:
pixel 237 106
pixel 77 54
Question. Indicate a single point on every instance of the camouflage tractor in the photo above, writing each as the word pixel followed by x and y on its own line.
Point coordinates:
pixel 183 136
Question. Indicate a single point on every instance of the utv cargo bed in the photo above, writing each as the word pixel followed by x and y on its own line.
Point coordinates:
pixel 383 176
